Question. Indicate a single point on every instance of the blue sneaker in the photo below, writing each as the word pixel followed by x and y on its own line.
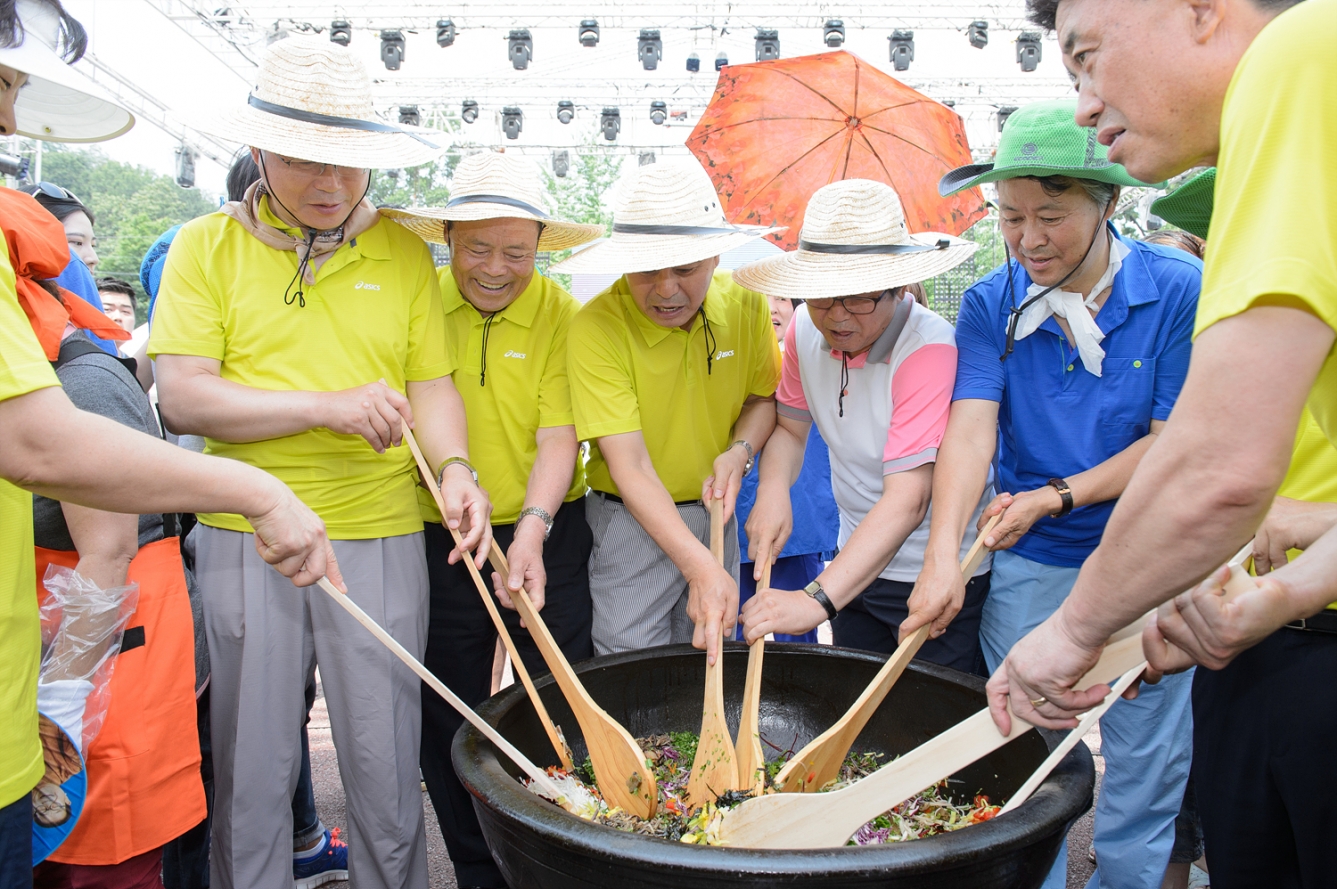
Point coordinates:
pixel 326 866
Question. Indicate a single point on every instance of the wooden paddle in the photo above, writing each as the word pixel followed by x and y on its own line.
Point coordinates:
pixel 818 763
pixel 553 731
pixel 537 775
pixel 619 763
pixel 1239 582
pixel 751 759
pixel 826 820
pixel 715 769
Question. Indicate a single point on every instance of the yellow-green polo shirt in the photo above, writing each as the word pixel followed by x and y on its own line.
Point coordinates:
pixel 629 373
pixel 525 388
pixel 373 313
pixel 23 369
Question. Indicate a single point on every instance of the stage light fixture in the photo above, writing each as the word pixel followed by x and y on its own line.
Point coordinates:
pixel 341 32
pixel 445 33
pixel 768 44
pixel 645 158
pixel 561 163
pixel 469 111
pixel 721 59
pixel 566 111
pixel 650 48
pixel 589 32
pixel 902 49
pixel 1028 50
pixel 520 47
pixel 693 62
pixel 658 112
pixel 410 116
pixel 834 32
pixel 185 166
pixel 610 122
pixel 392 49
pixel 950 103
pixel 1004 112
pixel 512 121
pixel 14 166
pixel 978 34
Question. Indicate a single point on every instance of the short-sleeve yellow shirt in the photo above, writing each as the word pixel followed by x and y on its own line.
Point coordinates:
pixel 23 369
pixel 520 388
pixel 373 313
pixel 629 373
pixel 1274 221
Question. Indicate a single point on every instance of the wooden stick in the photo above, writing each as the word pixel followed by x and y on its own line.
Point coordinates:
pixel 536 774
pixel 554 733
pixel 818 763
pixel 751 758
pixel 715 768
pixel 619 763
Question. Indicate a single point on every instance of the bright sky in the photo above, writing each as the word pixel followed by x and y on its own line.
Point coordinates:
pixel 162 58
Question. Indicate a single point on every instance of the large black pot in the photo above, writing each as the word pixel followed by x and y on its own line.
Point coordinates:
pixel 805 688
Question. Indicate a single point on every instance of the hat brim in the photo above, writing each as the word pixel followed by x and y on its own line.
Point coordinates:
pixel 324 144
pixel 428 223
pixel 802 274
pixel 976 174
pixel 623 253
pixel 59 104
pixel 1190 205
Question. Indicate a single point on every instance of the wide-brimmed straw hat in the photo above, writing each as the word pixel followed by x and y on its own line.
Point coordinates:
pixel 1190 205
pixel 1042 139
pixel 854 240
pixel 491 185
pixel 667 214
pixel 312 101
pixel 58 104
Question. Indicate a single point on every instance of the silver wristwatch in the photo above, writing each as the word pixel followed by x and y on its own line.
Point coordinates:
pixel 542 514
pixel 747 449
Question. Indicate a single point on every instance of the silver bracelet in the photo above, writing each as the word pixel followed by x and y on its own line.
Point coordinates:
pixel 542 514
pixel 441 472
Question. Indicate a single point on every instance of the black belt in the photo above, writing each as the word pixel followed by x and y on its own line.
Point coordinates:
pixel 616 499
pixel 1323 622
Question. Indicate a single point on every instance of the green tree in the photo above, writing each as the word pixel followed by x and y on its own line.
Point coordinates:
pixel 426 185
pixel 579 197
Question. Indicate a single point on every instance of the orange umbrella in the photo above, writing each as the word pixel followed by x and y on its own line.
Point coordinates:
pixel 777 131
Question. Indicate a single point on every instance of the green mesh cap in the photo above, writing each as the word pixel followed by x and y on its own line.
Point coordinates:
pixel 1042 139
pixel 1190 205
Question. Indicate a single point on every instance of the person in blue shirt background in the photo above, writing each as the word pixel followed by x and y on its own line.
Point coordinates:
pixel 816 522
pixel 1070 359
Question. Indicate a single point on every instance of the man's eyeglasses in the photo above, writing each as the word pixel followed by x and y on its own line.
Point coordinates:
pixel 855 305
pixel 315 168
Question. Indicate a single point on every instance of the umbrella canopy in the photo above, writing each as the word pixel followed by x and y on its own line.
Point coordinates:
pixel 777 131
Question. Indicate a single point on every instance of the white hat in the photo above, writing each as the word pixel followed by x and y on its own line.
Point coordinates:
pixel 58 104
pixel 313 101
pixel 491 185
pixel 668 215
pixel 854 240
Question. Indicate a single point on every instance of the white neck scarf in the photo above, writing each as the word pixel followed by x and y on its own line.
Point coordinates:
pixel 1077 310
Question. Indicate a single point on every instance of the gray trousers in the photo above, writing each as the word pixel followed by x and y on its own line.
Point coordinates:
pixel 265 638
pixel 639 595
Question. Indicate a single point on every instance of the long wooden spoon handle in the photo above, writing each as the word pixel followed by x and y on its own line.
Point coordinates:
pixel 399 651
pixel 751 758
pixel 517 665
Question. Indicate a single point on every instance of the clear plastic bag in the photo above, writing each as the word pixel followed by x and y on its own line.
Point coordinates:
pixel 82 627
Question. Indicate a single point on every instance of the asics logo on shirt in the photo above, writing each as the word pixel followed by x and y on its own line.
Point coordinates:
pixel 728 354
pixel 510 353
pixel 363 285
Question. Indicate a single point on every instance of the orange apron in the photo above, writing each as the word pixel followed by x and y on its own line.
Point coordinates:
pixel 144 785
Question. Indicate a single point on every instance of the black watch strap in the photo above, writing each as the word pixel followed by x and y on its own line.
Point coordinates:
pixel 815 591
pixel 1065 493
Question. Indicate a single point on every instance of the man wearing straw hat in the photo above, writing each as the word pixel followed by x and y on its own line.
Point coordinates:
pixel 673 372
pixel 874 370
pixel 289 327
pixel 507 326
pixel 1071 359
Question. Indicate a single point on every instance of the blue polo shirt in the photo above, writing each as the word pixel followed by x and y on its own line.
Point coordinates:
pixel 1054 418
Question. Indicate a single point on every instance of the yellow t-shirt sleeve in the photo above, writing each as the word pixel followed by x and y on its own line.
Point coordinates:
pixel 188 316
pixel 430 356
pixel 1274 225
pixel 23 364
pixel 766 351
pixel 603 398
pixel 555 384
